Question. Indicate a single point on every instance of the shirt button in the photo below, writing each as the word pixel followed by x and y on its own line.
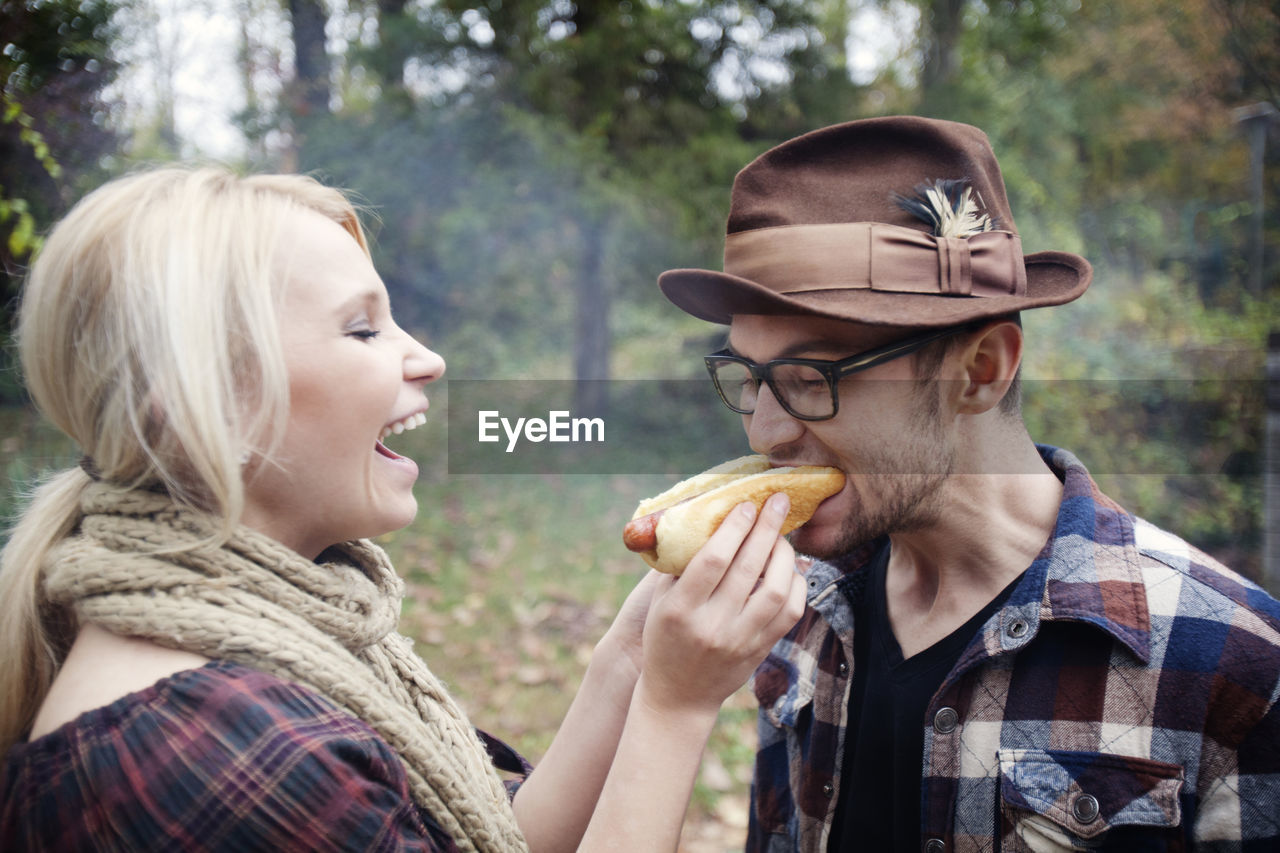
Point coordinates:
pixel 1018 629
pixel 935 845
pixel 944 722
pixel 828 789
pixel 1085 809
pixel 843 669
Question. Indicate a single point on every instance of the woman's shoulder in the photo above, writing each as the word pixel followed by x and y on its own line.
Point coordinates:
pixel 102 667
pixel 218 757
pixel 218 709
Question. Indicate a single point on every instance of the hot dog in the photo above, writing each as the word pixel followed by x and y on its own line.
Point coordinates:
pixel 668 529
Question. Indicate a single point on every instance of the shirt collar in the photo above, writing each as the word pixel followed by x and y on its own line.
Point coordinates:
pixel 1088 571
pixel 1090 568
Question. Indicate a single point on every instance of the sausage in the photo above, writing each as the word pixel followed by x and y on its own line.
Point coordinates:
pixel 641 534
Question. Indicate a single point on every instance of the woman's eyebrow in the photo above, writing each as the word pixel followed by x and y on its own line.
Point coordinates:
pixel 364 299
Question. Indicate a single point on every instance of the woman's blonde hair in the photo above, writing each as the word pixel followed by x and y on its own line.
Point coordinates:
pixel 147 333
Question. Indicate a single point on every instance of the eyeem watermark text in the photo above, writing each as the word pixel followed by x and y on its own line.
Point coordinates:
pixel 558 427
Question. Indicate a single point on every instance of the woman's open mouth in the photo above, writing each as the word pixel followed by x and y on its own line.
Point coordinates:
pixel 413 421
pixel 385 451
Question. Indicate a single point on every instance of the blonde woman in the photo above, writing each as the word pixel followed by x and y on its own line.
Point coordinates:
pixel 198 645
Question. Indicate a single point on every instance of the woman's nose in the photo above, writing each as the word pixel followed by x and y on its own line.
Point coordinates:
pixel 422 364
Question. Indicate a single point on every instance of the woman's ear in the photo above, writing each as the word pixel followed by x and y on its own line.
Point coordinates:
pixel 990 360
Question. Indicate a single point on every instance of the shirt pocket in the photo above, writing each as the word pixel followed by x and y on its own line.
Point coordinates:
pixel 1052 800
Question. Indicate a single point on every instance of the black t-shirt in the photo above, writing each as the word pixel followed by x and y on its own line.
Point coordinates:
pixel 880 779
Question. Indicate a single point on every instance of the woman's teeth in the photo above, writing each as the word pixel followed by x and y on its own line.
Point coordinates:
pixel 411 422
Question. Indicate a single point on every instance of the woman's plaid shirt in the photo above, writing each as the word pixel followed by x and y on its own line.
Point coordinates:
pixel 1124 698
pixel 220 759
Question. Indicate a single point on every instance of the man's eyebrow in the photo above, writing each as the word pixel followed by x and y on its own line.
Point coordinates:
pixel 817 347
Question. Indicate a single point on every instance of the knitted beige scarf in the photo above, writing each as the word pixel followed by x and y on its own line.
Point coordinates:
pixel 330 626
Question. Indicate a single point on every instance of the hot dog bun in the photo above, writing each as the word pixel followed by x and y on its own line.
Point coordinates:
pixel 692 509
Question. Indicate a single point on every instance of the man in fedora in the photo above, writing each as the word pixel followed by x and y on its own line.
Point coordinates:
pixel 995 655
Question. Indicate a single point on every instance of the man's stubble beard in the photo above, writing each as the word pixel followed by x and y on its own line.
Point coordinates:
pixel 909 498
pixel 908 502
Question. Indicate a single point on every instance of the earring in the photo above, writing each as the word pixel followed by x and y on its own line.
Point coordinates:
pixel 244 457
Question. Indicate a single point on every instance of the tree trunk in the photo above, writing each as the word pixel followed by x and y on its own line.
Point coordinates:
pixel 592 338
pixel 311 59
pixel 393 50
pixel 1271 475
pixel 941 22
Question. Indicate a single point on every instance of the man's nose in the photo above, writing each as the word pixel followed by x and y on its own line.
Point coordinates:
pixel 770 426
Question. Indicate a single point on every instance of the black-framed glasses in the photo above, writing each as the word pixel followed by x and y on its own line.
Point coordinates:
pixel 805 387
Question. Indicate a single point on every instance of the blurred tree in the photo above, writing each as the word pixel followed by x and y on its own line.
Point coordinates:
pixel 394 47
pixel 627 78
pixel 54 66
pixel 309 91
pixel 260 62
pixel 1252 36
pixel 310 56
pixel 1102 114
pixel 941 26
pixel 628 121
pixel 1114 124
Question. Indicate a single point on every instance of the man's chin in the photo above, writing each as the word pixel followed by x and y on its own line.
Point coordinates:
pixel 829 542
pixel 813 543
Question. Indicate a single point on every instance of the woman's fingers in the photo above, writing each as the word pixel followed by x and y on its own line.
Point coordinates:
pixel 713 625
pixel 753 556
pixel 708 567
pixel 778 600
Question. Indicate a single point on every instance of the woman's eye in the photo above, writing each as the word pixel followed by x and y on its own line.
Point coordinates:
pixel 364 334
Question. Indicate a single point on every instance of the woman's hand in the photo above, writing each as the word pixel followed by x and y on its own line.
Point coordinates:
pixel 623 644
pixel 705 633
pixel 708 629
pixel 724 577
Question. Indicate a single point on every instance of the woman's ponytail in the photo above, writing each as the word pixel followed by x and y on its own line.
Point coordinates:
pixel 32 641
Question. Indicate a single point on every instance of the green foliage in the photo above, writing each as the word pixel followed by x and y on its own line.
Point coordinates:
pixel 53 65
pixel 22 238
pixel 1102 116
pixel 1161 396
pixel 15 213
pixel 31 137
pixel 550 176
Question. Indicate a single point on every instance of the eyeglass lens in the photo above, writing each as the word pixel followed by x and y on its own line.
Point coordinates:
pixel 801 388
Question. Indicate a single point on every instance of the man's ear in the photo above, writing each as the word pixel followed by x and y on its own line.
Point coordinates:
pixel 990 359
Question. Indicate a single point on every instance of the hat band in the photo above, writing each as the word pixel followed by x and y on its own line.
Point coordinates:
pixel 877 256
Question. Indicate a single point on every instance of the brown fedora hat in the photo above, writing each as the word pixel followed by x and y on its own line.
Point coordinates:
pixel 833 223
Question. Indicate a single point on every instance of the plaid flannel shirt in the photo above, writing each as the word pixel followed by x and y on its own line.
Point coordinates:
pixel 1123 698
pixel 220 758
